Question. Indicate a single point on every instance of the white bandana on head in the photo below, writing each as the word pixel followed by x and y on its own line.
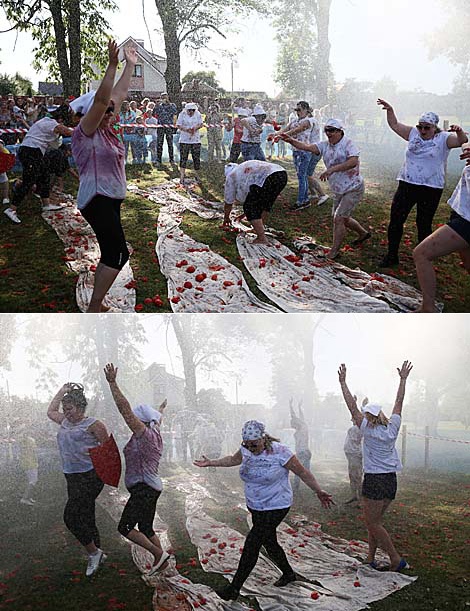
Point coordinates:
pixel 145 413
pixel 253 430
pixel 429 117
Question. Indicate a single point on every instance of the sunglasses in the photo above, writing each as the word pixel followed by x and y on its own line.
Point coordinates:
pixel 298 110
pixel 424 128
pixel 331 130
pixel 250 445
pixel 109 110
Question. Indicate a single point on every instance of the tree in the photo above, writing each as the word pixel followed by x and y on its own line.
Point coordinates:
pixel 71 36
pixel 190 24
pixel 295 71
pixel 207 76
pixel 8 333
pixel 451 38
pixel 321 11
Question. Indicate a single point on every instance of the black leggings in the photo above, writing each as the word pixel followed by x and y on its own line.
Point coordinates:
pixel 195 154
pixel 162 133
pixel 34 173
pixel 262 533
pixel 262 198
pixel 140 509
pixel 79 512
pixel 235 151
pixel 406 196
pixel 104 216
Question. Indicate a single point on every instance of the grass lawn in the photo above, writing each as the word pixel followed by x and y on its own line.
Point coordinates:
pixel 34 277
pixel 41 565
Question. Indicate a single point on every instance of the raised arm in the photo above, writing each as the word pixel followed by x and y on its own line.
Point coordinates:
pixel 399 128
pixel 121 402
pixel 356 413
pixel 226 461
pixel 457 138
pixel 403 372
pixel 53 410
pixel 121 89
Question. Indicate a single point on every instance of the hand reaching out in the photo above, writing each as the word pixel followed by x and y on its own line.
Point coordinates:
pixel 404 370
pixel 342 373
pixel 130 55
pixel 385 105
pixel 110 371
pixel 113 53
pixel 202 462
pixel 325 499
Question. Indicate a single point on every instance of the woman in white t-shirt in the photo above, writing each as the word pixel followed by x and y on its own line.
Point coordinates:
pixel 422 176
pixel 453 237
pixel 264 468
pixel 189 123
pixel 341 158
pixel 380 462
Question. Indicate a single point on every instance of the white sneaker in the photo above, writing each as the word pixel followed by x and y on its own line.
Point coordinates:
pixel 27 502
pixel 11 214
pixel 323 199
pixel 51 207
pixel 94 562
pixel 5 201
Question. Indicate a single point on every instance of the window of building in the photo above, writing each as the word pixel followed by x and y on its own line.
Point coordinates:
pixel 137 70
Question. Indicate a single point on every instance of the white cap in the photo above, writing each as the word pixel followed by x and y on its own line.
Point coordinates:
pixel 243 112
pixel 83 103
pixel 145 413
pixel 258 110
pixel 372 408
pixel 190 106
pixel 229 168
pixel 334 123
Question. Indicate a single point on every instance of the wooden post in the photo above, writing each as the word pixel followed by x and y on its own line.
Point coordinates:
pixel 403 444
pixel 426 448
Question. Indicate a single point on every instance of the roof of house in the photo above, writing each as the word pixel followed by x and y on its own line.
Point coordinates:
pixel 147 56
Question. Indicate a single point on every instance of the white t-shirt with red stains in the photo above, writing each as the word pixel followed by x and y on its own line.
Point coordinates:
pixel 335 154
pixel 266 478
pixel 425 160
pixel 460 198
pixel 239 181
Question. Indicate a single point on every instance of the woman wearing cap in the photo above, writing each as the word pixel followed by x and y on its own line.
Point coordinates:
pixel 381 463
pixel 100 158
pixel 251 137
pixel 422 176
pixel 142 453
pixel 189 122
pixel 31 155
pixel 341 158
pixel 265 465
pixel 453 237
pixel 256 185
pixel 77 434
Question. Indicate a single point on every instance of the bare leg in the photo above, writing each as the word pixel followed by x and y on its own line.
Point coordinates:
pixel 152 545
pixel 355 226
pixel 104 278
pixel 378 535
pixel 91 548
pixel 182 173
pixel 315 186
pixel 440 243
pixel 339 231
pixel 258 226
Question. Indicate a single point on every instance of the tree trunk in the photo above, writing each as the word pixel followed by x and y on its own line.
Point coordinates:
pixel 55 7
pixel 167 12
pixel 182 327
pixel 321 11
pixel 74 19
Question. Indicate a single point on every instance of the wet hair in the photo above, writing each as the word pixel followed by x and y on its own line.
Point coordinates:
pixel 76 396
pixel 374 421
pixel 268 442
pixel 305 105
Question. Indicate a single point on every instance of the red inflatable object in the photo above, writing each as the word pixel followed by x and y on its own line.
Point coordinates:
pixel 7 161
pixel 107 462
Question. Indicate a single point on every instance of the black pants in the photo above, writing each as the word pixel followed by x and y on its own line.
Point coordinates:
pixel 104 216
pixel 262 198
pixel 34 173
pixel 162 133
pixel 262 533
pixel 406 196
pixel 140 509
pixel 195 154
pixel 235 151
pixel 79 512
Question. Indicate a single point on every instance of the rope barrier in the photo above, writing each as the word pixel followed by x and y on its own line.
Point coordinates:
pixel 438 438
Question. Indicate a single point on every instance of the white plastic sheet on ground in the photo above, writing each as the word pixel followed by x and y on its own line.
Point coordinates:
pixel 336 580
pixel 82 255
pixel 173 592
pixel 199 280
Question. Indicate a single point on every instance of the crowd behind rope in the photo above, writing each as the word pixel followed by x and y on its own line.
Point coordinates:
pixel 121 128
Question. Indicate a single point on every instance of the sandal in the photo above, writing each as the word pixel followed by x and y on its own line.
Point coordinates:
pixel 360 240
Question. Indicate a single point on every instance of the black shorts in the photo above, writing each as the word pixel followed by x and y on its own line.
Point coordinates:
pixel 460 226
pixel 262 198
pixel 379 486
